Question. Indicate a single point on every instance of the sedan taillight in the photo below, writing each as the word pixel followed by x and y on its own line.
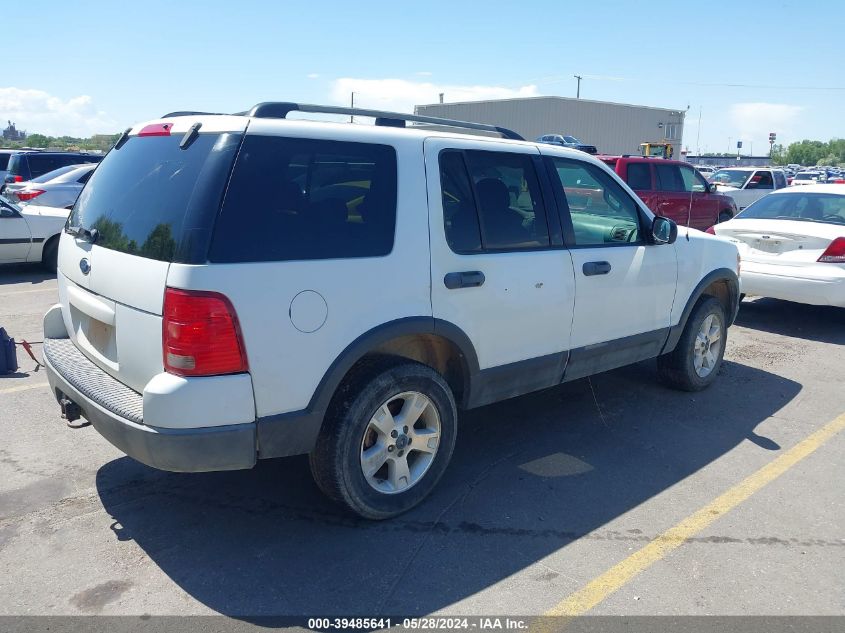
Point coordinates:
pixel 835 252
pixel 25 195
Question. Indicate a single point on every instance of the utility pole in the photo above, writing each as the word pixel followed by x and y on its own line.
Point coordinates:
pixel 351 116
pixel 578 90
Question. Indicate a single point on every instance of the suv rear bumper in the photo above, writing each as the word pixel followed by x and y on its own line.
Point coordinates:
pixel 230 447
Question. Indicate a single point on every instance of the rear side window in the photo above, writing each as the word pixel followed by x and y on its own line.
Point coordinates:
pixel 42 163
pixel 639 176
pixel 152 199
pixel 302 199
pixel 495 195
pixel 669 178
pixel 780 179
pixel 4 161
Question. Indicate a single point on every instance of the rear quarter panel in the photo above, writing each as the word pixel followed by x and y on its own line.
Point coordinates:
pixel 359 293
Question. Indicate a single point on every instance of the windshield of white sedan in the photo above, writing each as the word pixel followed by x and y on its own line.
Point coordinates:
pixel 731 177
pixel 809 207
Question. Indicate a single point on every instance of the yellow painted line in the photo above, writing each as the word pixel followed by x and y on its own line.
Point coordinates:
pixel 23 388
pixel 619 575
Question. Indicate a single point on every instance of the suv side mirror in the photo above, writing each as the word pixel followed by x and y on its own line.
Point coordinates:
pixel 663 230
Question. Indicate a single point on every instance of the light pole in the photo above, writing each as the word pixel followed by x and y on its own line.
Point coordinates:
pixel 351 116
pixel 578 89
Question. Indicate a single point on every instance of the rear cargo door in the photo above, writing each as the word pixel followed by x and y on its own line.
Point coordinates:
pixel 152 201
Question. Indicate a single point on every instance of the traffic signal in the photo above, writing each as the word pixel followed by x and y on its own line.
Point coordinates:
pixel 772 137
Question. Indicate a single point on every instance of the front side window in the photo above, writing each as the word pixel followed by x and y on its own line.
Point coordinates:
pixel 780 179
pixel 601 212
pixel 305 199
pixel 493 197
pixel 693 181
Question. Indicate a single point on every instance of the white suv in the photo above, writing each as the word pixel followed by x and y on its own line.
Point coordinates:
pixel 241 287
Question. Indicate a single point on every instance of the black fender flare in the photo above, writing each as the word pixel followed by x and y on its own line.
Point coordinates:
pixel 725 275
pixel 296 432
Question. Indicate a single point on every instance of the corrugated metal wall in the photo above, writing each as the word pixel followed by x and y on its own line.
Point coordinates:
pixel 613 128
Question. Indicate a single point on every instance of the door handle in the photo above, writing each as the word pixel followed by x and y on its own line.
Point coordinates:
pixel 596 268
pixel 465 279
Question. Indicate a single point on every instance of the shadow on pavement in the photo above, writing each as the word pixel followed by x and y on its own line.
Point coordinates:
pixel 824 324
pixel 24 273
pixel 528 477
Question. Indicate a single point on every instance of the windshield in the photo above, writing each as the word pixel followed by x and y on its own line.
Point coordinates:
pixel 828 208
pixel 153 199
pixel 806 176
pixel 731 177
pixel 571 139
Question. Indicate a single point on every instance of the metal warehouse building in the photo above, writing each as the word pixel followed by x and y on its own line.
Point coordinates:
pixel 614 128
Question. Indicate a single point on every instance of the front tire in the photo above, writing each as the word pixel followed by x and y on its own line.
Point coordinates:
pixel 387 438
pixel 694 363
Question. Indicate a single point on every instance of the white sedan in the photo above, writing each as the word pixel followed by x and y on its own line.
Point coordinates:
pixel 792 245
pixel 30 233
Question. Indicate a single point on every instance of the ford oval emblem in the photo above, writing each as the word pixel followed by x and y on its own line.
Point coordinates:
pixel 84 265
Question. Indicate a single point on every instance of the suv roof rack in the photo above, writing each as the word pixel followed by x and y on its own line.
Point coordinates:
pixel 280 110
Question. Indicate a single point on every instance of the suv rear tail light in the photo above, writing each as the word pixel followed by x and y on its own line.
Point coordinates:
pixel 835 253
pixel 26 195
pixel 18 178
pixel 711 230
pixel 201 335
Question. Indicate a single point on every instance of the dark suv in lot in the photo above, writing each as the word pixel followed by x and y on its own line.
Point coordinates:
pixel 29 165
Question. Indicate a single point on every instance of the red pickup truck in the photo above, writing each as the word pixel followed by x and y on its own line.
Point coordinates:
pixel 673 189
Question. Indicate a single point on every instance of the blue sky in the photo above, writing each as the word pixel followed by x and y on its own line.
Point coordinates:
pixel 748 67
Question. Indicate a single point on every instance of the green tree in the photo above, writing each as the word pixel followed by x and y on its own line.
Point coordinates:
pixel 38 140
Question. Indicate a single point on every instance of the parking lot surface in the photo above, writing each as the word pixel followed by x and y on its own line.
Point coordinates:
pixel 545 493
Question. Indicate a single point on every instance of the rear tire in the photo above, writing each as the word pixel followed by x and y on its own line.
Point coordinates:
pixel 50 256
pixel 694 363
pixel 724 216
pixel 387 438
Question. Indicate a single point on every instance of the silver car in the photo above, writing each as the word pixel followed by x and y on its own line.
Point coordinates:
pixel 57 188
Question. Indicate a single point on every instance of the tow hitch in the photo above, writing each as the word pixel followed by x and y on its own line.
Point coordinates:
pixel 71 412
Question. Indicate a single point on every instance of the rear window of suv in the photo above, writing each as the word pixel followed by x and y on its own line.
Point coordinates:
pixel 304 199
pixel 153 199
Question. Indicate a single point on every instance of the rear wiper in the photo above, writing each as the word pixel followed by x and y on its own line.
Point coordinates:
pixel 81 233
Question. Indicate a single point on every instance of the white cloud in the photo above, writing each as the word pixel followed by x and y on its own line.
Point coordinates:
pixel 425 73
pixel 313 75
pixel 37 111
pixel 400 95
pixel 754 121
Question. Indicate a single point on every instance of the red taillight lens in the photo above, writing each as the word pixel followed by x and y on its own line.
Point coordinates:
pixel 28 194
pixel 835 252
pixel 201 335
pixel 18 178
pixel 711 230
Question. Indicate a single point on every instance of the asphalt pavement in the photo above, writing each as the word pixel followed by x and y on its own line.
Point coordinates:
pixel 545 494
